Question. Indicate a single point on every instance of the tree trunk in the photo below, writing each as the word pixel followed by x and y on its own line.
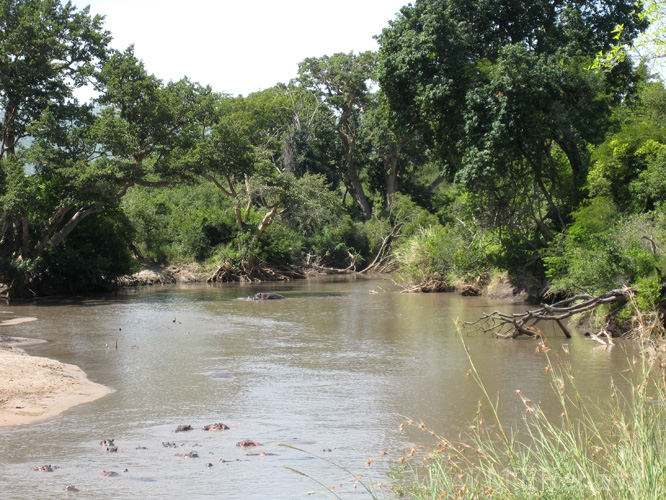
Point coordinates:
pixel 355 187
pixel 358 194
pixel 391 171
pixel 263 225
pixel 231 193
pixel 391 179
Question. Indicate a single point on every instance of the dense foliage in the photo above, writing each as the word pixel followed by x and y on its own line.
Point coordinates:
pixel 477 139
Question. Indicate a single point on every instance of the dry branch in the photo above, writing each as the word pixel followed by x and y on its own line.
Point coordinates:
pixel 510 326
pixel 383 257
pixel 351 268
pixel 434 283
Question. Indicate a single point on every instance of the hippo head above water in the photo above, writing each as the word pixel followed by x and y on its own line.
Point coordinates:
pixel 266 296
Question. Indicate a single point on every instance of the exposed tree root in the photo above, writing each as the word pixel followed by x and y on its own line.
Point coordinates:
pixel 246 273
pixel 315 266
pixel 438 282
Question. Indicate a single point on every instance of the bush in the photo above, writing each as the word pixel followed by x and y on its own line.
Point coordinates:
pixel 335 242
pixel 280 245
pixel 180 224
pixel 448 252
pixel 92 257
pixel 601 251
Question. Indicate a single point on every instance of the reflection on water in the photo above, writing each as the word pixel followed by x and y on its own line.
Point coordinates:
pixel 334 370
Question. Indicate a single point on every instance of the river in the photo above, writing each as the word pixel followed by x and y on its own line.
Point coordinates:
pixel 332 372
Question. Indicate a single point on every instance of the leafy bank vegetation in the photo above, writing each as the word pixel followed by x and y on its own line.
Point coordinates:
pixel 476 143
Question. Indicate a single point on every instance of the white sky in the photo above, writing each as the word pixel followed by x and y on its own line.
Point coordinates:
pixel 239 47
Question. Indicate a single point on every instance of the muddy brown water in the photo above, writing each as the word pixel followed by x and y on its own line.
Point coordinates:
pixel 331 372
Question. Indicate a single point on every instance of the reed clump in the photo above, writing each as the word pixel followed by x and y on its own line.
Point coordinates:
pixel 617 451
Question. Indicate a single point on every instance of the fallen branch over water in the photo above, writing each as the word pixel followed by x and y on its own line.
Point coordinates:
pixel 510 326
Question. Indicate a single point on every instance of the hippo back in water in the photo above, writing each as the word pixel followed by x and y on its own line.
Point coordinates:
pixel 266 296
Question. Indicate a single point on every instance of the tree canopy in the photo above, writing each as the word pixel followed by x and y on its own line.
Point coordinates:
pixel 501 92
pixel 476 139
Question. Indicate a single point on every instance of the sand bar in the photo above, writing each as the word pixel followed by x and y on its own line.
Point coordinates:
pixel 34 388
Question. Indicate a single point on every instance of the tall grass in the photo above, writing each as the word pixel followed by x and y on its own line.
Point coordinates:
pixel 583 452
pixel 444 253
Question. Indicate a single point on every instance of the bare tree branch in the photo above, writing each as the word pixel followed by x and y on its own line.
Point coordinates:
pixel 510 326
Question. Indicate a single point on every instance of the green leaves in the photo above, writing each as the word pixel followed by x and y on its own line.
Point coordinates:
pixel 500 92
pixel 628 165
pixel 223 151
pixel 46 50
pixel 604 249
pixel 144 119
pixel 341 82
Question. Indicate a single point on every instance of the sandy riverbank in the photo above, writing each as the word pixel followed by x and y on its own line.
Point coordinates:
pixel 34 388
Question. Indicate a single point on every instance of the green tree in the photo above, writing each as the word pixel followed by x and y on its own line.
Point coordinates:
pixel 224 157
pixel 300 151
pixel 342 83
pixel 143 127
pixel 396 153
pixel 617 237
pixel 500 93
pixel 46 50
pixel 262 118
pixel 628 166
pixel 82 160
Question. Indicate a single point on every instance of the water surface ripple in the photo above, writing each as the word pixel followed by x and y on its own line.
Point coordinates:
pixel 333 371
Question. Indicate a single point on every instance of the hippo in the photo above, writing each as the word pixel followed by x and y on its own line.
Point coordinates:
pixel 245 444
pixel 45 468
pixel 219 426
pixel 266 296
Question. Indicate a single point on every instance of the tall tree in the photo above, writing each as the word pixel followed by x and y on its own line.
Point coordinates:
pixel 83 160
pixel 396 150
pixel 499 90
pixel 223 156
pixel 342 83
pixel 142 127
pixel 231 152
pixel 46 50
pixel 299 155
pixel 262 117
